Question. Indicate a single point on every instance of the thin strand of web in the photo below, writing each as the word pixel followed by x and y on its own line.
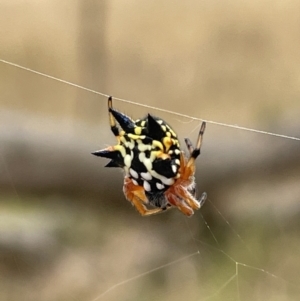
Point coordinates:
pixel 246 265
pixel 209 229
pixel 221 288
pixel 189 229
pixel 237 263
pixel 235 276
pixel 229 225
pixel 237 281
pixel 144 274
pixel 235 126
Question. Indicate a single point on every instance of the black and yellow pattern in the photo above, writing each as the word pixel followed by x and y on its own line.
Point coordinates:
pixel 149 152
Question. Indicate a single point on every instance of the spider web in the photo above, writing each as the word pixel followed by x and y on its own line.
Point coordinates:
pixel 55 246
pixel 213 268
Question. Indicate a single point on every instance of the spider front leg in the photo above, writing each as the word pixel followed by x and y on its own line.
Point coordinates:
pixel 194 152
pixel 136 195
pixel 189 171
pixel 189 145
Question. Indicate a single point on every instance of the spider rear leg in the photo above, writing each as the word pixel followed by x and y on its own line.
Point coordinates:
pixel 136 195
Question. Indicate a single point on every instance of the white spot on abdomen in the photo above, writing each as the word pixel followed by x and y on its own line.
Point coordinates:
pixel 142 157
pixel 146 186
pixel 160 186
pixel 133 173
pixel 177 151
pixel 146 176
pixel 166 181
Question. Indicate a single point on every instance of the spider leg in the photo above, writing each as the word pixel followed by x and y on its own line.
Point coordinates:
pixel 189 145
pixel 196 152
pixel 136 195
pixel 179 203
pixel 142 209
pixel 187 197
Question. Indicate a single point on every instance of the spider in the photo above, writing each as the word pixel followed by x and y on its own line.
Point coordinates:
pixel 157 174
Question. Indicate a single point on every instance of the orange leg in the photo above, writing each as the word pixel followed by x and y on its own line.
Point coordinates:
pixel 187 197
pixel 179 196
pixel 180 204
pixel 180 189
pixel 136 195
pixel 186 171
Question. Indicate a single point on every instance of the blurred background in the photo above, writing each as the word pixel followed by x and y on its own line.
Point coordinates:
pixel 66 230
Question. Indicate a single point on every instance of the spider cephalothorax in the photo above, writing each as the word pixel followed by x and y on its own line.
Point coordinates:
pixel 156 170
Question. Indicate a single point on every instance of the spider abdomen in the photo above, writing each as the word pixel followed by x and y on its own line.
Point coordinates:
pixel 153 169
